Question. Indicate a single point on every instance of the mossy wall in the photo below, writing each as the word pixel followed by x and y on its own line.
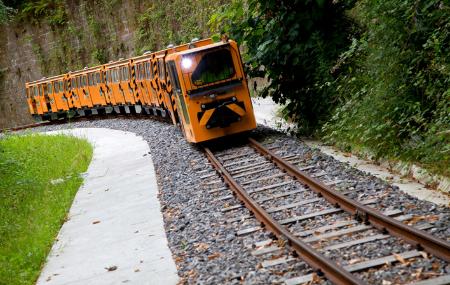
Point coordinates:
pixel 47 38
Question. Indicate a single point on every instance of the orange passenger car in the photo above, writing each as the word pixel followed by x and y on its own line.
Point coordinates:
pixel 200 86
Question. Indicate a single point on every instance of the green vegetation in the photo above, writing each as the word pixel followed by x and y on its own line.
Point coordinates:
pixel 5 13
pixel 173 22
pixel 394 83
pixel 293 43
pixel 361 74
pixel 53 11
pixel 39 176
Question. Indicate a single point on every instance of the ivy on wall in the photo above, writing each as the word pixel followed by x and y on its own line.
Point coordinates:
pixel 173 22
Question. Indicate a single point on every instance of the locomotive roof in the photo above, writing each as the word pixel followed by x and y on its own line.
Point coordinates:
pixel 193 50
pixel 205 44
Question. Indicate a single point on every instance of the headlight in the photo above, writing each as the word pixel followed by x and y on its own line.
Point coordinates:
pixel 186 63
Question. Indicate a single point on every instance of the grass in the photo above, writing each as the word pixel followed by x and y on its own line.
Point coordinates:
pixel 39 176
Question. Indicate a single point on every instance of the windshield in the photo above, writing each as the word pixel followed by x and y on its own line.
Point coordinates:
pixel 214 66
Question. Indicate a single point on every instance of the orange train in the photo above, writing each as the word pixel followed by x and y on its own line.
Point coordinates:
pixel 201 86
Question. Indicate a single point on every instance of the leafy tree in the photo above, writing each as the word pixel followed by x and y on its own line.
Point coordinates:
pixel 294 43
pixel 5 12
pixel 394 83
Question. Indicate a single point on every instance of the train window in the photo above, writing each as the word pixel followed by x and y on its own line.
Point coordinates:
pixel 174 76
pixel 56 87
pixel 84 81
pixel 97 76
pixel 61 86
pixel 161 69
pixel 49 87
pixel 138 74
pixel 89 76
pixel 78 82
pixel 127 73
pixel 214 66
pixel 35 91
pixel 148 72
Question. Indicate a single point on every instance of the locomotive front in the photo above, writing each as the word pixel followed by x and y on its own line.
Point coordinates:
pixel 211 91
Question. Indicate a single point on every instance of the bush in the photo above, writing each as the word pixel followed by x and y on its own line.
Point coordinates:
pixel 395 83
pixel 295 44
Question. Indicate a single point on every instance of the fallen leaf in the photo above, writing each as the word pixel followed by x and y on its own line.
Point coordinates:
pixel 435 266
pixel 399 258
pixel 137 270
pixel 281 242
pixel 201 246
pixel 111 268
pixel 214 255
pixel 355 260
pixel 419 273
pixel 424 254
pixel 315 279
pixel 95 222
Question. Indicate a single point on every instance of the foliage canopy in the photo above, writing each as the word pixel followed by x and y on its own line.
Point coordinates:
pixel 395 83
pixel 294 44
pixel 366 74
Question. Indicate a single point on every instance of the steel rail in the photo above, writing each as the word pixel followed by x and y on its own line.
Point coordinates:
pixel 331 270
pixel 23 127
pixel 83 119
pixel 418 238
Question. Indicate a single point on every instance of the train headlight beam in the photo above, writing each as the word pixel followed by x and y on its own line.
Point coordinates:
pixel 186 63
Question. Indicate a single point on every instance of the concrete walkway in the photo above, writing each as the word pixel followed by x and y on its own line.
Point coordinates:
pixel 115 232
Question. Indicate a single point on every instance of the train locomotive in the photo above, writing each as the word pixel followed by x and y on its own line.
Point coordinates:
pixel 200 86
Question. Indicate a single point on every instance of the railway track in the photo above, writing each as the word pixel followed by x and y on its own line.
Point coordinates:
pixel 296 229
pixel 308 220
pixel 131 116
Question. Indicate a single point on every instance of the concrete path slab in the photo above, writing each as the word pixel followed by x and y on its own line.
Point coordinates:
pixel 115 232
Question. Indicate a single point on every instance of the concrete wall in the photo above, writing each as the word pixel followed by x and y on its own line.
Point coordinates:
pixel 32 48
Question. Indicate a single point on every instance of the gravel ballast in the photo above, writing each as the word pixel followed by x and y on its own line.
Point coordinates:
pixel 206 247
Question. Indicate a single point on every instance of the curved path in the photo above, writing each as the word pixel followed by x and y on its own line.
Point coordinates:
pixel 115 232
